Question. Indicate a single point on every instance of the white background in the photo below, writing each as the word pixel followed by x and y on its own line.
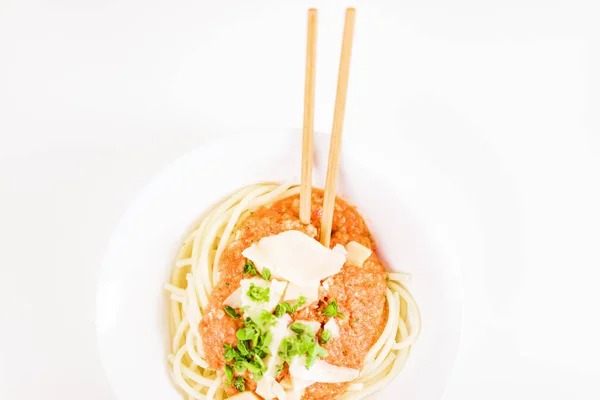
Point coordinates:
pixel 503 97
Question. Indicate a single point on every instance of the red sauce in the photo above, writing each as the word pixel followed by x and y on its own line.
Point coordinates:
pixel 359 291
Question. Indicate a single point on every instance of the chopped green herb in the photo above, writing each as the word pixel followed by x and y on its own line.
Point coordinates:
pixel 313 353
pixel 231 312
pixel 253 341
pixel 257 376
pixel 259 362
pixel 255 369
pixel 240 366
pixel 286 307
pixel 356 319
pixel 249 333
pixel 265 319
pixel 298 327
pixel 239 383
pixel 227 284
pixel 325 336
pixel 231 353
pixel 250 327
pixel 303 343
pixel 279 310
pixel 332 310
pixel 254 364
pixel 249 268
pixel 258 294
pixel 267 338
pixel 288 348
pixel 258 325
pixel 245 334
pixel 243 348
pixel 300 303
pixel 228 372
pixel 262 344
pixel 266 274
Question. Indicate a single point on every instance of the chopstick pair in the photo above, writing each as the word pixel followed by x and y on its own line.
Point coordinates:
pixel 335 144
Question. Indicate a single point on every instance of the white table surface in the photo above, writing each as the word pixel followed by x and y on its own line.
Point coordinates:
pixel 97 96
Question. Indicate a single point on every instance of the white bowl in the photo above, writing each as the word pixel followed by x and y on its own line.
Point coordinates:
pixel 413 213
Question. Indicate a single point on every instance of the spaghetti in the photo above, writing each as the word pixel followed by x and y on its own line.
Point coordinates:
pixel 195 275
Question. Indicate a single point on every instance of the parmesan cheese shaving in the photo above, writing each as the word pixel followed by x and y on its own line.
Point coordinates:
pixel 294 387
pixel 264 388
pixel 296 257
pixel 332 327
pixel 268 388
pixel 278 332
pixel 235 299
pixel 357 253
pixel 276 293
pixel 298 385
pixel 294 395
pixel 293 293
pixel 321 371
pixel 327 284
pixel 278 391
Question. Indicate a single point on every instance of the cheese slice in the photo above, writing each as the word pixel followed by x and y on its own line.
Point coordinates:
pixel 332 327
pixel 294 395
pixel 298 385
pixel 268 388
pixel 235 299
pixel 293 293
pixel 278 391
pixel 264 388
pixel 295 387
pixel 278 333
pixel 276 290
pixel 321 371
pixel 296 257
pixel 357 253
pixel 244 396
pixel 327 284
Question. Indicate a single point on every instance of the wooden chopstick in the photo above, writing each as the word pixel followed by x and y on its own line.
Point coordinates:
pixel 338 125
pixel 309 117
